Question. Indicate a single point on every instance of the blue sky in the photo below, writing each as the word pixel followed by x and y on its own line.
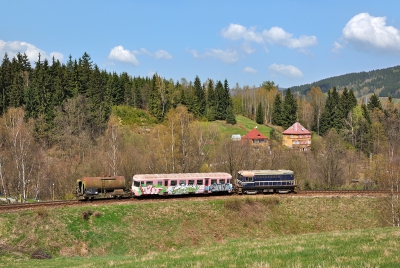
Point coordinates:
pixel 246 42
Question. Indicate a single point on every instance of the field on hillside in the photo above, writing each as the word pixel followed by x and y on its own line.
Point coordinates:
pixel 242 127
pixel 143 233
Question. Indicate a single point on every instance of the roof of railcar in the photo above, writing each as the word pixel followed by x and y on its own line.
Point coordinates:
pixel 266 172
pixel 182 176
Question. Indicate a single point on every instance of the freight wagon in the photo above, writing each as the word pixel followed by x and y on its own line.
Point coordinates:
pixel 89 188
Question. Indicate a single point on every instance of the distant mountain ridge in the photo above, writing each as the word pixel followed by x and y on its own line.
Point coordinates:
pixel 383 82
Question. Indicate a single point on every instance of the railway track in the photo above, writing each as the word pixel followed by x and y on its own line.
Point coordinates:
pixel 67 203
pixel 343 192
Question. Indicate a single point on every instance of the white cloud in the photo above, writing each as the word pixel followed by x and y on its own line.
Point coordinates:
pixel 118 53
pixel 142 51
pixel 13 47
pixel 227 56
pixel 366 32
pixel 236 32
pixel 278 36
pixel 162 54
pixel 249 70
pixel 336 47
pixel 286 70
pixel 246 47
pixel 274 36
pixel 193 52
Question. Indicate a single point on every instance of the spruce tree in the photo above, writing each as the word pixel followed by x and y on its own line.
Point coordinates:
pixel 211 101
pixel 289 109
pixel 220 102
pixel 200 102
pixel 277 110
pixel 5 83
pixel 374 102
pixel 260 114
pixel 230 116
pixel 332 115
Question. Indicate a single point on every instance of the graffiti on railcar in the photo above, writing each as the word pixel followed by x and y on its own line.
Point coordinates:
pixel 220 187
pixel 152 189
pixel 184 189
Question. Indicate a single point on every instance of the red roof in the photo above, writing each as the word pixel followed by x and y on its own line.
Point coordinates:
pixel 254 134
pixel 296 129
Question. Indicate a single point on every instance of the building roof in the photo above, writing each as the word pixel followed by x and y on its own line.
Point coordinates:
pixel 254 134
pixel 296 129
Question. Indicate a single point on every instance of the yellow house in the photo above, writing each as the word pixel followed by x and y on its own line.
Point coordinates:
pixel 297 137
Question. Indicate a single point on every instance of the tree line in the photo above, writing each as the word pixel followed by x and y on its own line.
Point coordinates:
pixel 44 89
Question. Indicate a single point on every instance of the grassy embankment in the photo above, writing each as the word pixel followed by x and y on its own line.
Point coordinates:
pixel 262 231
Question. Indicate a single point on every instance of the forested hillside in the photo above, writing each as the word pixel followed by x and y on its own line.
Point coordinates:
pixel 384 83
pixel 60 122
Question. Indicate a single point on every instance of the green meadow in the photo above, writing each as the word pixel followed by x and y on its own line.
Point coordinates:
pixel 237 231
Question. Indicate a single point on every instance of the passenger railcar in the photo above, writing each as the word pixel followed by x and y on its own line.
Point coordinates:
pixel 265 181
pixel 101 187
pixel 181 184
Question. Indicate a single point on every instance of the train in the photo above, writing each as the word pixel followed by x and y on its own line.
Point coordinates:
pixel 246 182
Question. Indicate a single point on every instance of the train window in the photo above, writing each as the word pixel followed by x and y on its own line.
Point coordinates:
pixel 182 182
pixel 213 181
pixel 221 180
pixel 173 183
pixel 229 181
pixel 206 181
pixel 149 183
pixel 165 183
pixel 199 182
pixel 191 182
pixel 136 183
pixel 159 183
pixel 249 179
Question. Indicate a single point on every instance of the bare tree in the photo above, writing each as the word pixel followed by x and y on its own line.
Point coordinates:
pixel 21 141
pixel 112 144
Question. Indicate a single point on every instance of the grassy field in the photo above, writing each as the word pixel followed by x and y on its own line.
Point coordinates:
pixel 261 231
pixel 242 127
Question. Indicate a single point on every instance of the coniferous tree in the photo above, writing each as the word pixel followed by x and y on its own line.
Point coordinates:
pixel 277 111
pixel 331 117
pixel 230 116
pixel 200 101
pixel 289 115
pixel 220 102
pixel 260 114
pixel 5 83
pixel 154 102
pixel 374 102
pixel 211 101
pixel 85 69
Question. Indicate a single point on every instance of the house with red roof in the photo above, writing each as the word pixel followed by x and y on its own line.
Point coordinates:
pixel 297 137
pixel 256 137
